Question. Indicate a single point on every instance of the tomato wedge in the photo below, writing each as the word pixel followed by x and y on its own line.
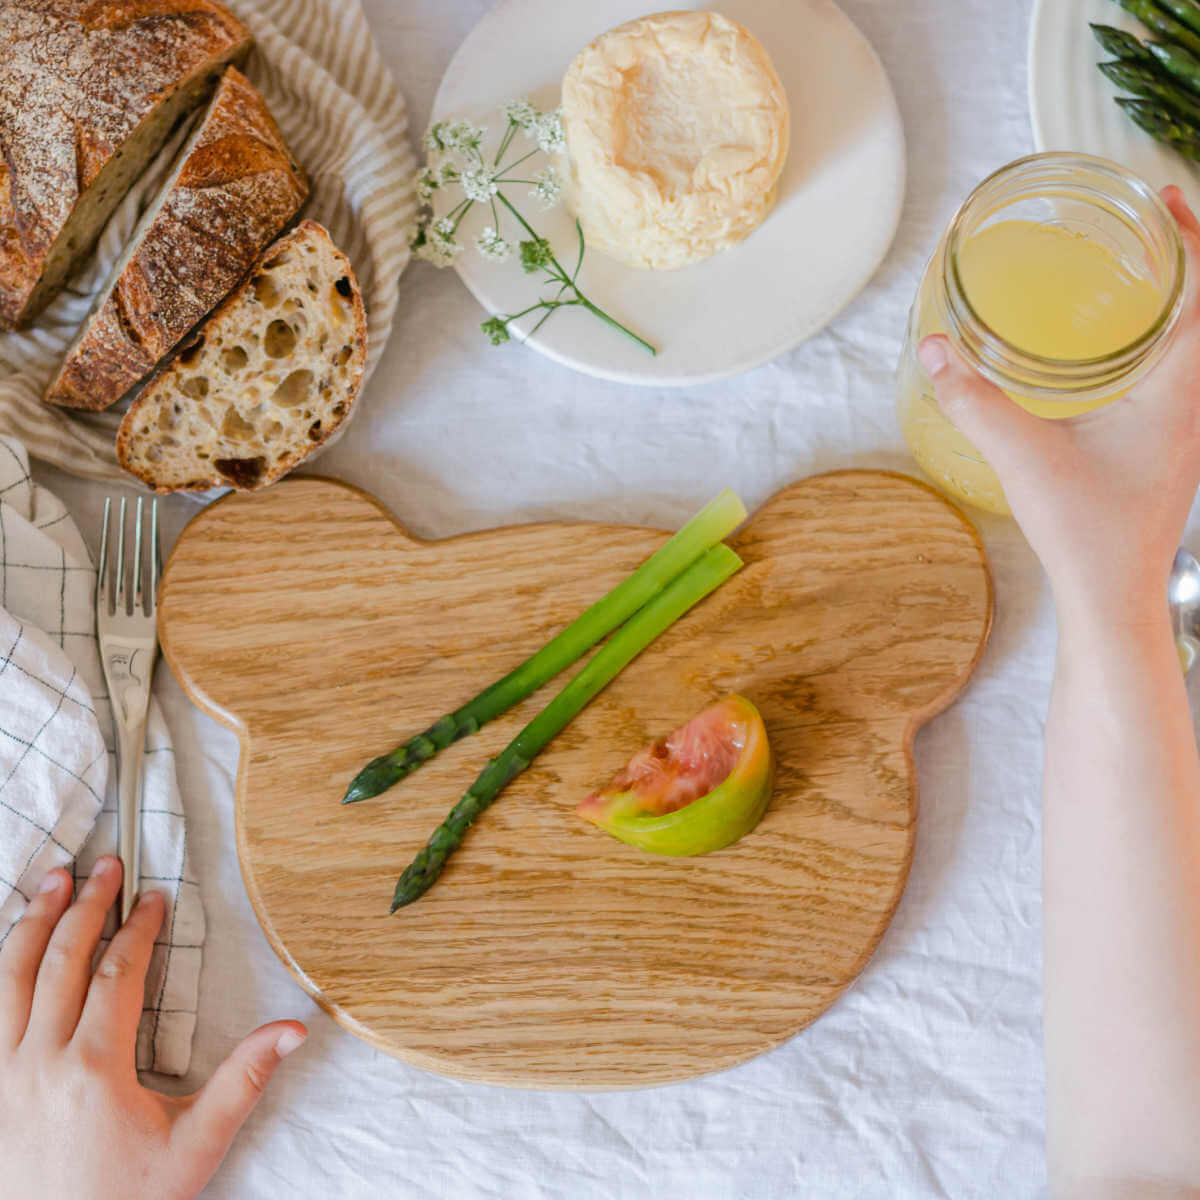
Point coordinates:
pixel 699 789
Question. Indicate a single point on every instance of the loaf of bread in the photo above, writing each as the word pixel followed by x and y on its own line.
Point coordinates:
pixel 89 91
pixel 232 189
pixel 265 380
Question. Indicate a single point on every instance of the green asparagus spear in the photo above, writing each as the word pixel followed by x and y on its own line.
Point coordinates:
pixel 1180 64
pixel 1144 81
pixel 1121 45
pixel 1161 123
pixel 1186 12
pixel 1165 26
pixel 704 576
pixel 715 521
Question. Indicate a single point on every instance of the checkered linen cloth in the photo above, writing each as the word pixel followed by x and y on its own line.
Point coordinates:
pixel 58 770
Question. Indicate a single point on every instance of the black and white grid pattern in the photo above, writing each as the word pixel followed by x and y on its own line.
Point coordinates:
pixel 57 764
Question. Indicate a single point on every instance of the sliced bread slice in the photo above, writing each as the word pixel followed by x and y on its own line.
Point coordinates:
pixel 268 378
pixel 233 187
pixel 89 91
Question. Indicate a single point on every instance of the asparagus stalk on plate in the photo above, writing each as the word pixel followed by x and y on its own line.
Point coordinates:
pixel 1161 23
pixel 1149 83
pixel 714 522
pixel 1180 64
pixel 1122 45
pixel 1160 122
pixel 703 576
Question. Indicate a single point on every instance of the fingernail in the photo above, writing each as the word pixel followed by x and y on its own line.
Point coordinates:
pixel 50 882
pixel 933 356
pixel 151 898
pixel 289 1040
pixel 103 865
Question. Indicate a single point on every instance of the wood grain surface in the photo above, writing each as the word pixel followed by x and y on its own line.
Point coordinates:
pixel 550 955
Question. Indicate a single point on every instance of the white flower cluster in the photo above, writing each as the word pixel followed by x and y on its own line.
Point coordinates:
pixel 479 184
pixel 521 112
pixel 492 246
pixel 455 157
pixel 549 133
pixel 439 246
pixel 454 136
pixel 544 128
pixel 430 180
pixel 547 188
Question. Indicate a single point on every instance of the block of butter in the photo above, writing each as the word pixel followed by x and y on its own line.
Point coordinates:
pixel 677 131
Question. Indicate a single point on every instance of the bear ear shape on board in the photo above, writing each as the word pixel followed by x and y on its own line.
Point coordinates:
pixel 865 598
pixel 306 619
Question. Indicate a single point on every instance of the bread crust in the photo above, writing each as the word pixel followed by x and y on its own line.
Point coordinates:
pixel 77 79
pixel 237 187
pixel 166 386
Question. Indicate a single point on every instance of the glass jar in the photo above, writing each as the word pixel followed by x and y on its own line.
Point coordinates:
pixel 1074 195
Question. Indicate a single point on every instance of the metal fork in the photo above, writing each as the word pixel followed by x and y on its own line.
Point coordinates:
pixel 127 629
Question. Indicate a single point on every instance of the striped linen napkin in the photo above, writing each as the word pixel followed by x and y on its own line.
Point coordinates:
pixel 58 771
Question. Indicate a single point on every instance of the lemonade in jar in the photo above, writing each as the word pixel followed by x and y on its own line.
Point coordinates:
pixel 1060 279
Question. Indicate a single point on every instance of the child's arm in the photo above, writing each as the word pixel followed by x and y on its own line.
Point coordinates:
pixel 1103 501
pixel 74 1121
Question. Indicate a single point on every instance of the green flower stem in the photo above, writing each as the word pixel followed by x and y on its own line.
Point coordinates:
pixel 561 275
pixel 536 237
pixel 704 575
pixel 714 522
pixel 505 142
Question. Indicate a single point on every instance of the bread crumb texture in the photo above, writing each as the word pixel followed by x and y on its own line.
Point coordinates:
pixel 271 375
pixel 677 132
pixel 237 186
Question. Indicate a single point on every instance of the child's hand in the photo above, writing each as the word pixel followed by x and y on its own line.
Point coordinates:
pixel 1102 498
pixel 74 1121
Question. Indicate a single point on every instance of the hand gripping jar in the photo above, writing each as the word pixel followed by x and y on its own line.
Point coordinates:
pixel 1060 279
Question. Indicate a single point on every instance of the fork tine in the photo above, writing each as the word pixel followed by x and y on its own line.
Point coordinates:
pixel 103 595
pixel 154 558
pixel 137 559
pixel 121 592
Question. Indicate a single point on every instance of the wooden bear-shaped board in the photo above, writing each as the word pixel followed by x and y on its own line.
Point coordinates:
pixel 549 954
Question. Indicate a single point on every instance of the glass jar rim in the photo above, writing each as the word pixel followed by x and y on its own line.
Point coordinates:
pixel 1043 374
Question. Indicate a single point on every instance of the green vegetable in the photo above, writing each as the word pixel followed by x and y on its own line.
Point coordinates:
pixel 1180 64
pixel 659 614
pixel 715 521
pixel 1148 82
pixel 1187 12
pixel 1166 126
pixel 1121 45
pixel 1165 26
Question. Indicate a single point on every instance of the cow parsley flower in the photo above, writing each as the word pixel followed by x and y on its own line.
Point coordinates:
pixel 492 246
pixel 479 184
pixel 458 176
pixel 548 130
pixel 427 184
pixel 547 188
pixel 436 243
pixel 454 136
pixel 496 330
pixel 521 112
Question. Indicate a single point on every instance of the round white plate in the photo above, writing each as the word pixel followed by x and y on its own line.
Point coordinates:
pixel 840 196
pixel 1071 103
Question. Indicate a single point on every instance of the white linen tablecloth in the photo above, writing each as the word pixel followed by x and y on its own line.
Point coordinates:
pixel 925 1080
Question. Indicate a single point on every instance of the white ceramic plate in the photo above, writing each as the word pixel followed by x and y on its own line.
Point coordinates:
pixel 1071 103
pixel 840 196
